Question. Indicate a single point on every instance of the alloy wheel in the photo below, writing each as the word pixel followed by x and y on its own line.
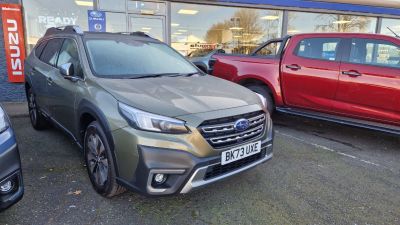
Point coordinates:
pixel 97 159
pixel 32 108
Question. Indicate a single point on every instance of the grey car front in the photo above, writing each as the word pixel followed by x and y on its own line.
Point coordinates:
pixel 11 185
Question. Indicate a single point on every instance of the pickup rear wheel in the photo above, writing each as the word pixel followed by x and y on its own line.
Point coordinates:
pixel 267 95
pixel 99 162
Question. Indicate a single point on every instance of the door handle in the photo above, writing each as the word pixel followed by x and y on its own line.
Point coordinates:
pixel 293 67
pixel 49 81
pixel 351 73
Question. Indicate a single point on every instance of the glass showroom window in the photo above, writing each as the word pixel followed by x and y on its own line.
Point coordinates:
pixel 302 22
pixel 393 24
pixel 42 14
pixel 236 30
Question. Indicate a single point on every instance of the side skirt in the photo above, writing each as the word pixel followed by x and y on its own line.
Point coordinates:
pixel 391 129
pixel 55 122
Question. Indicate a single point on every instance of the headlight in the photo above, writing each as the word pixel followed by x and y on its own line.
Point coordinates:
pixel 3 121
pixel 152 122
pixel 263 100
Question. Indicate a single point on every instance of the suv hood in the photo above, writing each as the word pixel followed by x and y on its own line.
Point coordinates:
pixel 177 96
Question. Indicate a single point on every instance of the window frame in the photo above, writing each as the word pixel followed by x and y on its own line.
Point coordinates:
pixel 44 42
pixel 57 53
pixel 346 54
pixel 339 49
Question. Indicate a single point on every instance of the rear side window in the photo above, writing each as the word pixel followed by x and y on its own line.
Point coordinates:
pixel 318 48
pixel 374 52
pixel 39 48
pixel 50 52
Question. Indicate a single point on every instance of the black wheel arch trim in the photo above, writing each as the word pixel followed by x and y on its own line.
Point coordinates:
pixel 87 107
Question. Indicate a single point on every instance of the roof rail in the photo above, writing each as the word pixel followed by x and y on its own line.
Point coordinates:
pixel 65 29
pixel 136 33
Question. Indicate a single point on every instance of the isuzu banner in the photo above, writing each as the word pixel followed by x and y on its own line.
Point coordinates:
pixel 13 41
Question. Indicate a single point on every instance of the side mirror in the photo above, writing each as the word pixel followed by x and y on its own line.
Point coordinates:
pixel 67 69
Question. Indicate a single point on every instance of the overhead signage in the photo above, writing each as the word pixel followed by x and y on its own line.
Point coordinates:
pixel 13 41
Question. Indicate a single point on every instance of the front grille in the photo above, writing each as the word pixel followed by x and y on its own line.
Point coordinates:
pixel 217 170
pixel 221 133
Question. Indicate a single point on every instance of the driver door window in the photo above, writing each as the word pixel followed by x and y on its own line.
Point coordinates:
pixel 69 54
pixel 375 53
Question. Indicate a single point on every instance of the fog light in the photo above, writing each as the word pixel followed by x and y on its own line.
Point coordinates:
pixel 6 187
pixel 160 178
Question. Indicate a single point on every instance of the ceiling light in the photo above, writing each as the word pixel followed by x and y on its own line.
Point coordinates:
pixel 177 33
pixel 341 21
pixel 175 24
pixel 84 3
pixel 147 11
pixel 146 28
pixel 183 31
pixel 293 31
pixel 270 17
pixel 236 28
pixel 188 12
pixel 237 36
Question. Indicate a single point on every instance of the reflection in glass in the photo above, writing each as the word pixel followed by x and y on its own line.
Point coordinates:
pixel 112 5
pixel 393 24
pixel 236 30
pixel 116 22
pixel 303 22
pixel 146 8
pixel 41 14
pixel 152 25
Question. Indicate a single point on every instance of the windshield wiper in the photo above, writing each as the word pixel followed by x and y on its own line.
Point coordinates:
pixel 153 75
pixel 164 75
pixel 191 74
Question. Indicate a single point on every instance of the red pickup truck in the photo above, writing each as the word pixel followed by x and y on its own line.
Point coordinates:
pixel 347 78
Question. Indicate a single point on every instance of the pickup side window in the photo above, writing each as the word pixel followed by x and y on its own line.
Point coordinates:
pixel 374 52
pixel 50 52
pixel 271 49
pixel 318 48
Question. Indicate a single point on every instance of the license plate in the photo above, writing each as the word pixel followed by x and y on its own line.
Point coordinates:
pixel 240 152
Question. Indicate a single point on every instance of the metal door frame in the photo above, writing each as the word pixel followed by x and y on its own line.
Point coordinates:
pixel 163 19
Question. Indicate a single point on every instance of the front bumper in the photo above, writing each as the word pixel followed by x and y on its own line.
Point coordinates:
pixel 189 160
pixel 185 171
pixel 10 169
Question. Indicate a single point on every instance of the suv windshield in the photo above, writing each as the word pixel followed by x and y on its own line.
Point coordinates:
pixel 128 58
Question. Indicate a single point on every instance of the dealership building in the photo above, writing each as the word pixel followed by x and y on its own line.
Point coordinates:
pixel 237 26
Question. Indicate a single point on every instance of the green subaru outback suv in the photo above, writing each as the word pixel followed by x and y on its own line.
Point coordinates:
pixel 146 119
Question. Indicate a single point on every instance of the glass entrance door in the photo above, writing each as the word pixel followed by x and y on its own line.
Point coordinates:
pixel 151 25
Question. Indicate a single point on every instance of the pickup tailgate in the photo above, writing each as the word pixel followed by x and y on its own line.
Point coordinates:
pixel 243 69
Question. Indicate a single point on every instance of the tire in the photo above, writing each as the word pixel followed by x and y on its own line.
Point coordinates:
pixel 38 121
pixel 259 89
pixel 99 162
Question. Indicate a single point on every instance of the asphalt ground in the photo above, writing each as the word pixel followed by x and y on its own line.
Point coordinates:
pixel 321 173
